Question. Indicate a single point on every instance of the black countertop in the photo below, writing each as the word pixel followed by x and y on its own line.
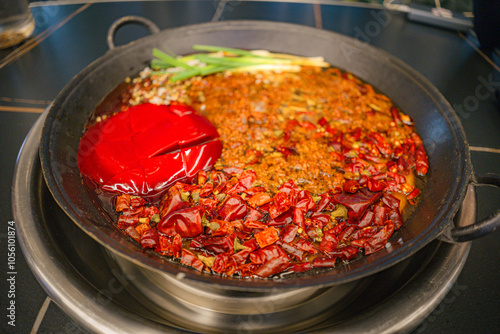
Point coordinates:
pixel 72 36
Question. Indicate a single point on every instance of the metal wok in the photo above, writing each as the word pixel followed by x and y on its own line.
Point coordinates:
pixel 449 175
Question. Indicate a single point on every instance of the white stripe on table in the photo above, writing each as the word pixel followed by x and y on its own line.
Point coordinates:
pixel 484 149
pixel 40 316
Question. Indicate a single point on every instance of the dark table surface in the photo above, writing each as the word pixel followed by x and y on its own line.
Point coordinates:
pixel 69 37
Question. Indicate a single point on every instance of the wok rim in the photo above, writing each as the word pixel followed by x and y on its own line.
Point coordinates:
pixel 444 218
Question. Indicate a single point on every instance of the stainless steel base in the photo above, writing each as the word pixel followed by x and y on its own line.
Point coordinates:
pixel 106 294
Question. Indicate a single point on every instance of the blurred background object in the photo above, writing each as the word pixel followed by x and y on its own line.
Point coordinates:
pixel 487 28
pixel 487 23
pixel 16 22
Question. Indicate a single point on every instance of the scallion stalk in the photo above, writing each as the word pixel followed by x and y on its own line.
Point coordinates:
pixel 176 62
pixel 211 48
pixel 238 61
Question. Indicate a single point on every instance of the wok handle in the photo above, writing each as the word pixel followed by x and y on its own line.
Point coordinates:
pixel 153 28
pixel 485 226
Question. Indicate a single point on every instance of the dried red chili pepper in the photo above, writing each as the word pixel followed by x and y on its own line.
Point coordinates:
pixel 306 246
pixel 357 203
pixel 337 229
pixel 372 158
pixel 390 201
pixel 283 219
pixel 375 185
pixel 149 212
pixel 396 218
pixel 233 187
pixel 287 150
pixel 267 253
pixel 259 199
pixel 225 228
pixel 380 215
pixel 254 156
pixel 295 252
pixel 320 219
pixel 185 222
pixel 122 202
pixel 213 245
pixel 166 245
pixel 289 188
pixel 345 253
pixel 220 263
pixel 312 232
pixel 324 262
pixel 150 238
pixel 251 245
pixel 367 219
pixel 305 201
pixel 412 195
pixel 379 240
pixel 395 116
pixel 329 242
pixel 240 257
pixel 280 205
pixel 272 267
pixel 365 232
pixel 202 177
pixel 207 190
pixel 299 217
pixel 136 202
pixel 359 242
pixel 253 215
pixel 355 168
pixel 254 190
pixel 142 228
pixel 393 186
pixel 323 202
pixel 346 233
pixel 351 186
pixel 397 177
pixel 288 233
pixel 322 121
pixel 392 166
pixel 208 203
pixel 125 221
pixel 132 232
pixel 233 208
pixel 267 237
pixel 189 259
pixel 254 224
pixel 422 165
pixel 246 270
pixel 383 146
pixel 301 267
pixel 172 200
pixel 363 180
pixel 415 138
pixel 337 156
pixel 307 125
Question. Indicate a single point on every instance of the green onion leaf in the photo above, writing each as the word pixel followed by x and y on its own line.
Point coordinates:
pixel 176 62
pixel 211 48
pixel 157 64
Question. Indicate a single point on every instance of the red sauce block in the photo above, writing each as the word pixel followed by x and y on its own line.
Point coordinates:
pixel 147 148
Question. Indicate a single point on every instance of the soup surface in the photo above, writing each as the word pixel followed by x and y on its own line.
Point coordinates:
pixel 256 173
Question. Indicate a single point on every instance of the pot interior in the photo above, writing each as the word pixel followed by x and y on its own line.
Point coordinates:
pixel 435 120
